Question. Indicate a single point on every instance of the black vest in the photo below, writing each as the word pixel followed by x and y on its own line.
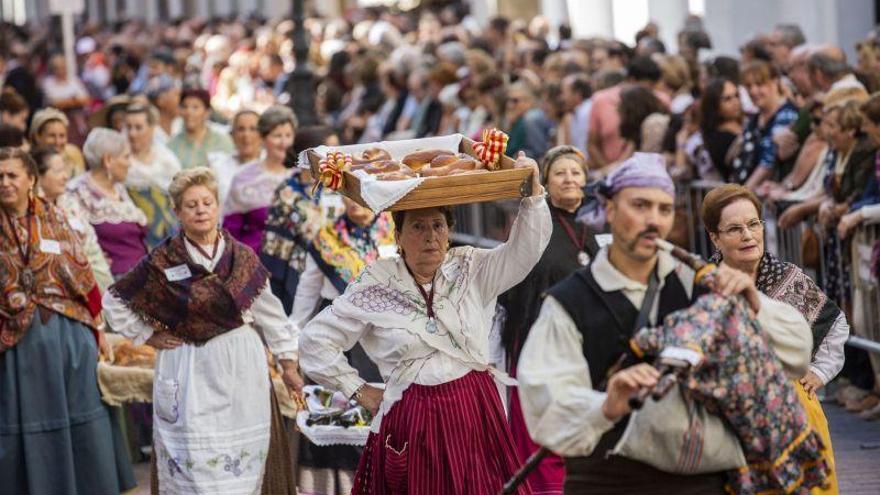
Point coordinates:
pixel 606 319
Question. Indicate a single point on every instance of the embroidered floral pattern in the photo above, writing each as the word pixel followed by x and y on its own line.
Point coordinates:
pixel 295 217
pixel 742 381
pixel 348 248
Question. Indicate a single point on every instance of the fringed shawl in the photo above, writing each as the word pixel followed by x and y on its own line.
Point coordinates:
pixel 787 283
pixel 201 306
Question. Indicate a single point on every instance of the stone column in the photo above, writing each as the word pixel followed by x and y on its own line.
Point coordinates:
pixel 669 16
pixel 591 18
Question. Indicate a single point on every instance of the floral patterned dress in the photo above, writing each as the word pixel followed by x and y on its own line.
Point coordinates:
pixel 295 216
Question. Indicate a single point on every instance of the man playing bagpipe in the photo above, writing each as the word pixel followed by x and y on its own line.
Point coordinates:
pixel 732 424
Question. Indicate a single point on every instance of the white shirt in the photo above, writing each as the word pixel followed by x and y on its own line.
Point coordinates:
pixel 561 408
pixel 158 173
pixel 266 313
pixel 580 125
pixel 311 288
pixel 468 281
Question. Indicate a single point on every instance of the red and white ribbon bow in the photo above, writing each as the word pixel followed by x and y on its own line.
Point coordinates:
pixel 492 148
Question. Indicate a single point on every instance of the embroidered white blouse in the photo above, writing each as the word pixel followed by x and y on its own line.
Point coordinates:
pixel 384 311
pixel 563 411
pixel 266 314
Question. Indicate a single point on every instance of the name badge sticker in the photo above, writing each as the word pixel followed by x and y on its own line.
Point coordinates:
pixel 176 273
pixel 50 246
pixel 388 251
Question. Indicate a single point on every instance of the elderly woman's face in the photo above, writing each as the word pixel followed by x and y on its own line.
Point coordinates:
pixel 54 134
pixel 198 211
pixel 14 185
pixel 740 236
pixel 565 181
pixel 117 166
pixel 424 238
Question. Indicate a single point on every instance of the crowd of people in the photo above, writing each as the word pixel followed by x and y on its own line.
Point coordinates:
pixel 122 171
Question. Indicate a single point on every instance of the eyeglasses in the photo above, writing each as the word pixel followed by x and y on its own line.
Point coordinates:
pixel 755 227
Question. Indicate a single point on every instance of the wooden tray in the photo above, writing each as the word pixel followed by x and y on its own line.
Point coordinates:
pixel 505 183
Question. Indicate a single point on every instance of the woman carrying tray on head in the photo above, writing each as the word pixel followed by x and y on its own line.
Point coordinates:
pixel 424 318
pixel 337 256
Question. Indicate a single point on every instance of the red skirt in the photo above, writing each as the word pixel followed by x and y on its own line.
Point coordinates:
pixel 450 438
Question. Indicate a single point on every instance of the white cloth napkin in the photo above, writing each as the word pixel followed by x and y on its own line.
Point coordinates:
pixel 382 194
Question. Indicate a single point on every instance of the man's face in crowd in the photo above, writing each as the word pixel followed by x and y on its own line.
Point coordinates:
pixel 17 120
pixel 799 75
pixel 518 102
pixel 638 216
pixel 570 98
pixel 169 101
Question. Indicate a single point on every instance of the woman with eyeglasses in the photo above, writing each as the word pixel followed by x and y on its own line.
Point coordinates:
pixel 732 215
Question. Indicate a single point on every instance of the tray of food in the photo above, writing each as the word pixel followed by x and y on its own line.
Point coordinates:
pixel 331 419
pixel 421 173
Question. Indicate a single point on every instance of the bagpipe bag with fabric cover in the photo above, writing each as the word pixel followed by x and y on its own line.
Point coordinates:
pixel 742 381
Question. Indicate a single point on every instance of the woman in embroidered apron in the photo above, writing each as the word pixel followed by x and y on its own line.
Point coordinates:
pixel 424 319
pixel 731 214
pixel 153 166
pixel 247 206
pixel 296 214
pixel 571 246
pixel 198 298
pixel 54 430
pixel 338 255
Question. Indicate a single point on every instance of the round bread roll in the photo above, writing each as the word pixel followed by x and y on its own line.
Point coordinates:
pixel 461 163
pixel 371 155
pixel 420 159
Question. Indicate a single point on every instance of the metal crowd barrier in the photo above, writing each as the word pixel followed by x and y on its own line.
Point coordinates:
pixel 690 196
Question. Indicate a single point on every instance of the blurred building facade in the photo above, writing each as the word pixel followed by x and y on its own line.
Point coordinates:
pixel 729 22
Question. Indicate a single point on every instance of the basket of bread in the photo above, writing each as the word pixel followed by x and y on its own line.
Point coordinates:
pixel 127 376
pixel 420 173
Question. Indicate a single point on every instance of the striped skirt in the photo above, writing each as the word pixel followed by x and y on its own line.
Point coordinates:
pixel 450 438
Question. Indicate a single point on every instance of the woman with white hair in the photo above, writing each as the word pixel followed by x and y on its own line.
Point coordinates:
pixel 100 193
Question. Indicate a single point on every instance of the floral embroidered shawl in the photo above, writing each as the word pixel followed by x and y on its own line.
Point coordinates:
pixel 202 306
pixel 63 281
pixel 742 381
pixel 342 250
pixel 787 283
